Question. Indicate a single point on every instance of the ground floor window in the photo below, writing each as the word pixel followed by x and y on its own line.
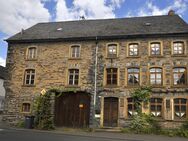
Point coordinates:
pixel 131 107
pixel 156 107
pixel 180 108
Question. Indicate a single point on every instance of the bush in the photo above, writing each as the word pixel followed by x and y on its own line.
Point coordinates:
pixel 143 123
pixel 43 117
pixel 20 124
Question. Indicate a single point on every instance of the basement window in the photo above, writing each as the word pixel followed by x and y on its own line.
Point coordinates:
pixel 26 107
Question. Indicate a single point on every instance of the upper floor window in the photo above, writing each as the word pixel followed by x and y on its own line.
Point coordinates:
pixel 155 48
pixel 178 48
pixel 26 107
pixel 156 76
pixel 73 76
pixel 179 76
pixel 112 50
pixel 156 107
pixel 131 107
pixel 29 77
pixel 112 76
pixel 133 49
pixel 133 76
pixel 32 53
pixel 75 51
pixel 180 108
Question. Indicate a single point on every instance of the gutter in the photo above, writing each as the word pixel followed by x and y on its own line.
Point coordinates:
pixel 96 63
pixel 112 37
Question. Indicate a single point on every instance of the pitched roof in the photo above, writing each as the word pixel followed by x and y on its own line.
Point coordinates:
pixel 2 72
pixel 136 26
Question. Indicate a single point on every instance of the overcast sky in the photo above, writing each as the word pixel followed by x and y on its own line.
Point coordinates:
pixel 18 14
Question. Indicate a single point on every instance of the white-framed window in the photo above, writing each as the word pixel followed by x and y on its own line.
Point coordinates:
pixel 155 76
pixel 32 53
pixel 178 48
pixel 75 51
pixel 73 76
pixel 112 51
pixel 29 77
pixel 133 49
pixel 155 48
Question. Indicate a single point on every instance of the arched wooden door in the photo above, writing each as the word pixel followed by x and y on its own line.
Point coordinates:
pixel 110 112
pixel 72 110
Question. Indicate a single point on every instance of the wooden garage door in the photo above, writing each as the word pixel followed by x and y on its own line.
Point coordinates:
pixel 72 110
pixel 110 112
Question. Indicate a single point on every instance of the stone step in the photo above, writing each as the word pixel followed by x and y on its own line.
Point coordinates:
pixel 108 129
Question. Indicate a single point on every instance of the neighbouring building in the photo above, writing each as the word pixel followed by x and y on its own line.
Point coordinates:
pixel 102 60
pixel 2 89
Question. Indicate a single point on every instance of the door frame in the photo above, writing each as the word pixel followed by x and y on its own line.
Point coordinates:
pixel 102 110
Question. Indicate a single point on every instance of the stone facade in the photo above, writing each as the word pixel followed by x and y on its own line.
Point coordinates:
pixel 51 71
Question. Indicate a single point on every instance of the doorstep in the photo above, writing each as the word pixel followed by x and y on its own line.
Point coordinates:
pixel 109 129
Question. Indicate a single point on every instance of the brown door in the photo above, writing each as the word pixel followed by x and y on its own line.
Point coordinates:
pixel 110 112
pixel 72 110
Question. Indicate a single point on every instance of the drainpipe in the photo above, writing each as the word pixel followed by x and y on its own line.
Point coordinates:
pixel 95 85
pixel 96 62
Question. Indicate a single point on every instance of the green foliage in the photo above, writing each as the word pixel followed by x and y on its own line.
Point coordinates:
pixel 20 124
pixel 141 95
pixel 143 123
pixel 43 118
pixel 175 132
pixel 185 125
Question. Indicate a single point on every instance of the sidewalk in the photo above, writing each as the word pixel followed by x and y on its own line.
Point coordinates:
pixel 105 135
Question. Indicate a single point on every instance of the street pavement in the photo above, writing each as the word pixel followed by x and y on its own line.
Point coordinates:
pixel 11 134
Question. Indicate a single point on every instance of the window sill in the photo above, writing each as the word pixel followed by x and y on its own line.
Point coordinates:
pixel 79 58
pixel 180 120
pixel 129 86
pixel 111 57
pixel 72 86
pixel 28 85
pixel 26 113
pixel 111 86
pixel 157 86
pixel 31 59
pixel 182 86
pixel 156 56
pixel 178 55
pixel 133 56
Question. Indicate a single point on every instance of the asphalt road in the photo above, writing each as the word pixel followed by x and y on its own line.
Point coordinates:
pixel 18 135
pixel 33 135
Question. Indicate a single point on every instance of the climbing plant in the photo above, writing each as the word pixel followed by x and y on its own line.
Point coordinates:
pixel 142 123
pixel 141 95
pixel 43 117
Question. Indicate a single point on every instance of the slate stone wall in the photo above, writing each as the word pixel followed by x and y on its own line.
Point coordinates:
pixel 54 60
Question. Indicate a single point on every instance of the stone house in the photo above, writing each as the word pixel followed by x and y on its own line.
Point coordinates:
pixel 2 89
pixel 102 61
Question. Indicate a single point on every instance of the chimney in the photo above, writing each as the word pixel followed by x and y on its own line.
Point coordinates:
pixel 171 12
pixel 22 31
